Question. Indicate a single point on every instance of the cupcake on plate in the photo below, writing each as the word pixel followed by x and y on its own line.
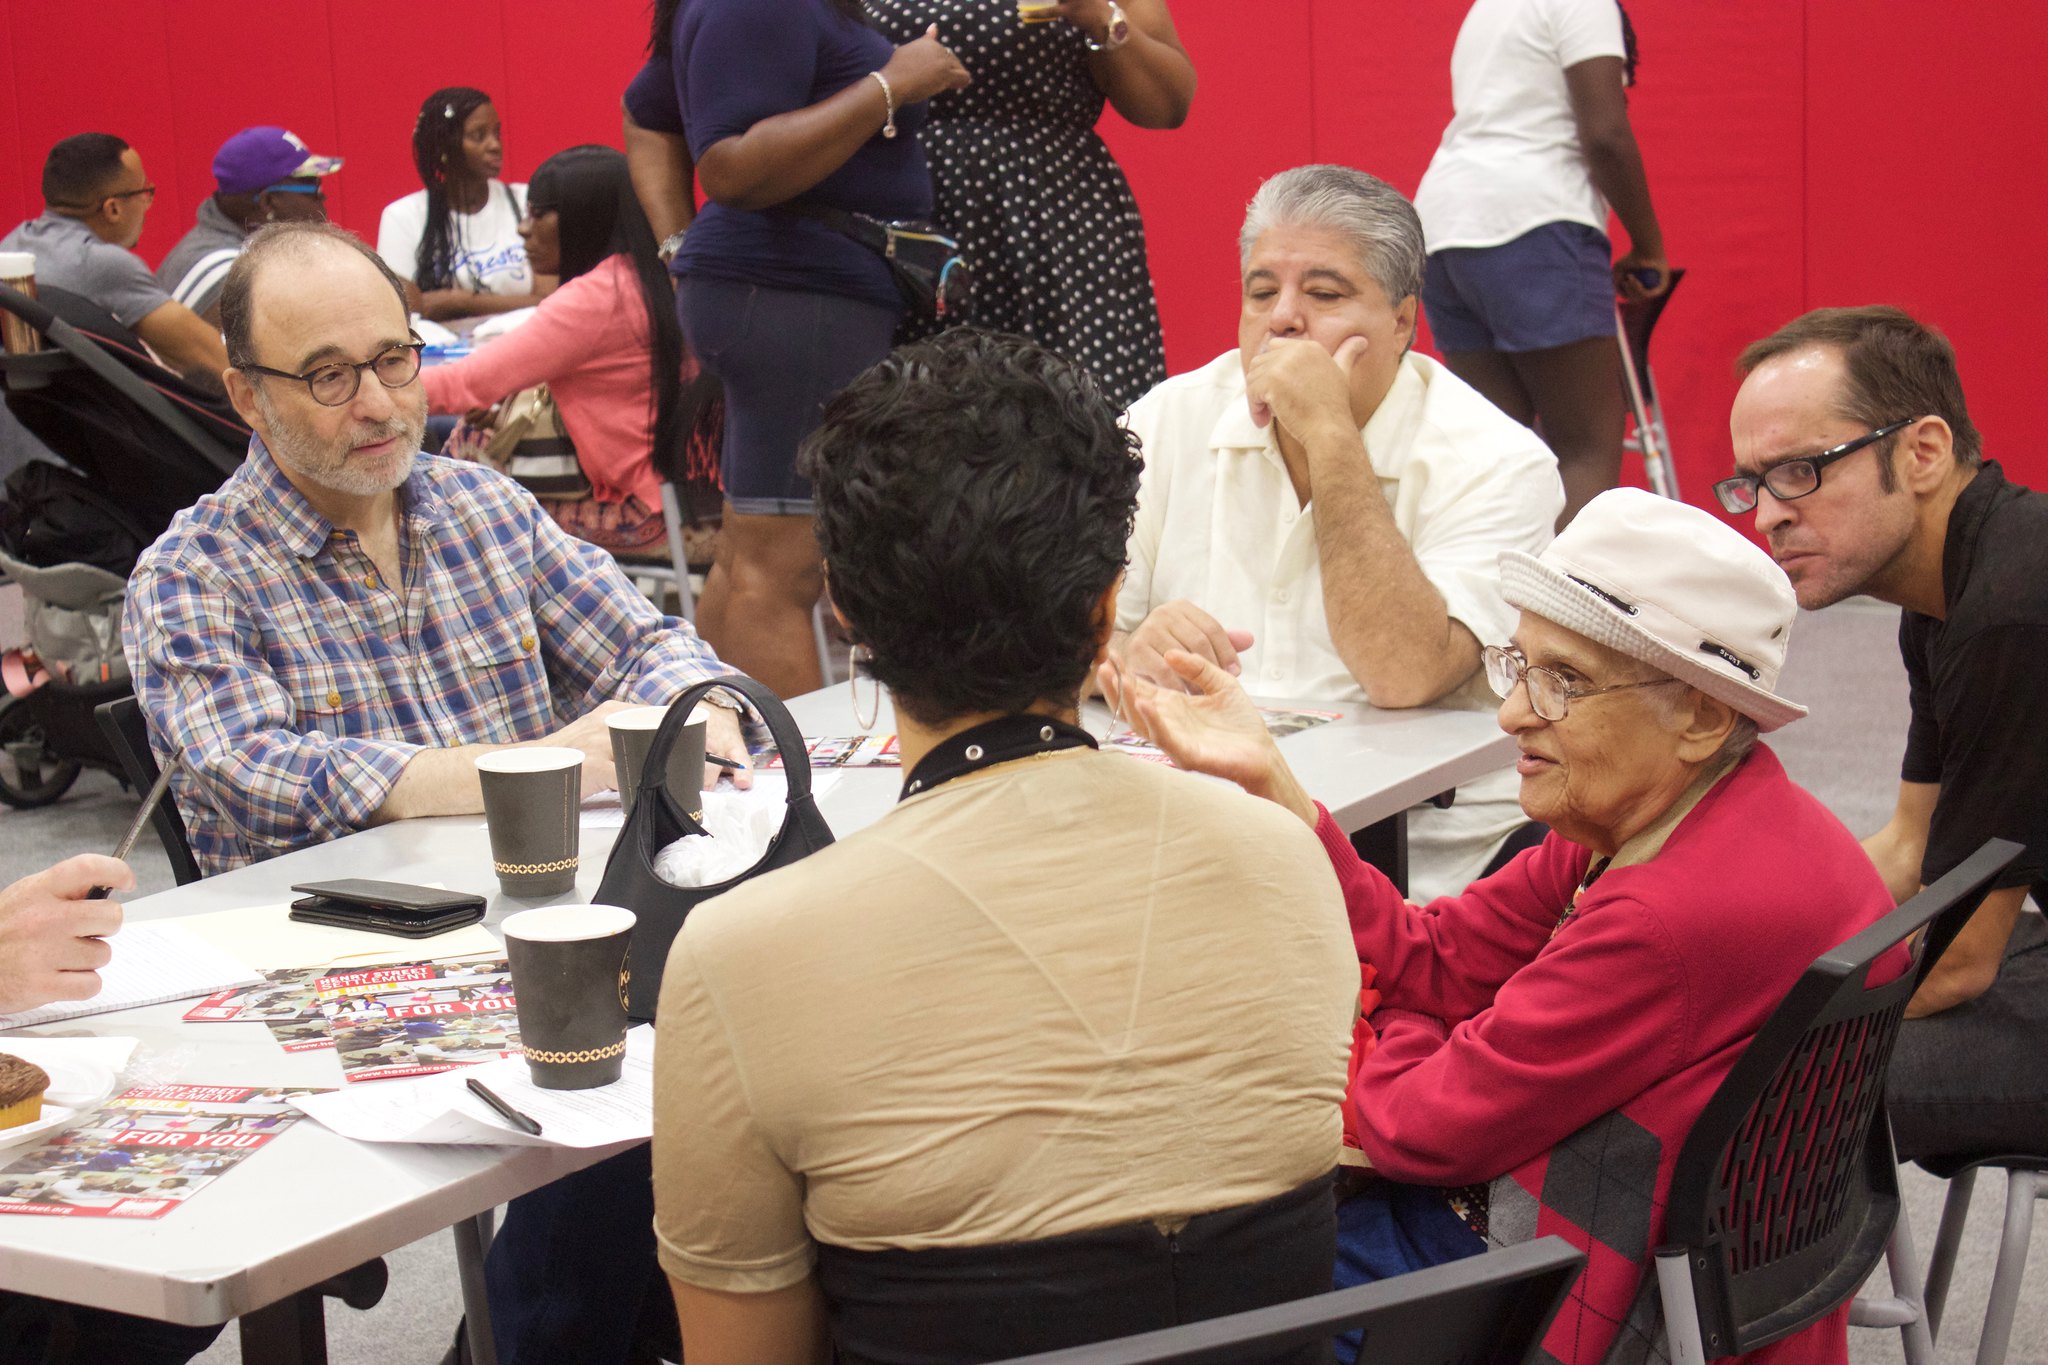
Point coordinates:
pixel 22 1085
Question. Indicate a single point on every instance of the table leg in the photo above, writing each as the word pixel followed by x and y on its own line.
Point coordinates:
pixel 472 1239
pixel 1385 846
pixel 292 1331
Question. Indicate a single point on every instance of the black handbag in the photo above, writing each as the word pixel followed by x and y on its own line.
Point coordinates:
pixel 658 820
pixel 934 279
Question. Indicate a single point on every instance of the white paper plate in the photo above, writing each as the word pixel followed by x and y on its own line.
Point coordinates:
pixel 77 1083
pixel 54 1116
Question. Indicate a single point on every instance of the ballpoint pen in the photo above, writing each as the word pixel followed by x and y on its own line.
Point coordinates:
pixel 524 1122
pixel 156 794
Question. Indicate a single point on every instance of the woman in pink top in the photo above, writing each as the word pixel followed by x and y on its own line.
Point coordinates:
pixel 616 379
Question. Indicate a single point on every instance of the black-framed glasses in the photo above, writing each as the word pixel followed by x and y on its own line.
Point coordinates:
pixel 1792 479
pixel 149 190
pixel 1550 694
pixel 336 382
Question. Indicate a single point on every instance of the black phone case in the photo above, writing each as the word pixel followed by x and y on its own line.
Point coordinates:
pixel 404 923
pixel 396 896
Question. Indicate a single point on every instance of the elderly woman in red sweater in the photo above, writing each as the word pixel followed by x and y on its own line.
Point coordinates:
pixel 606 343
pixel 1547 1039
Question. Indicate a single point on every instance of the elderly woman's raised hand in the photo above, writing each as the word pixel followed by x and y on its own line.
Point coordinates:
pixel 922 68
pixel 1211 728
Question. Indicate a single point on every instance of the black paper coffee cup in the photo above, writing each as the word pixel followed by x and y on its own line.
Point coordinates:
pixel 533 800
pixel 632 732
pixel 569 979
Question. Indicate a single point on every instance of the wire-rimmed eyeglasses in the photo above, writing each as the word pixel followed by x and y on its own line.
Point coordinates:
pixel 336 382
pixel 1550 694
pixel 1792 479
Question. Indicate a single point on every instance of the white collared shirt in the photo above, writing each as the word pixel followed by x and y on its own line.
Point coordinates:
pixel 1219 524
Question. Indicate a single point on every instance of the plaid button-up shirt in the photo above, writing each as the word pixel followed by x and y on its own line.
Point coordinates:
pixel 296 683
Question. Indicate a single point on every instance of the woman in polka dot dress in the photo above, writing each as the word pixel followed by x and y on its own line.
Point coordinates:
pixel 1042 211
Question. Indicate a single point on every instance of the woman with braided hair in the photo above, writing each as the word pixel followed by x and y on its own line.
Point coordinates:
pixel 456 242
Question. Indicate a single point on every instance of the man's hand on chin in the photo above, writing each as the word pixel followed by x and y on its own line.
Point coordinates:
pixel 1295 381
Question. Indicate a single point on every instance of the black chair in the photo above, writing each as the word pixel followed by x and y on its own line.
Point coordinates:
pixel 1786 1192
pixel 1491 1309
pixel 121 722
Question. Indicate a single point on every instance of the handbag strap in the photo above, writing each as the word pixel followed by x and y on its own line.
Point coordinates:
pixel 796 762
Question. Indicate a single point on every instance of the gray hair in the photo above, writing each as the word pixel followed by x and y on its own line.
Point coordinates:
pixel 1366 211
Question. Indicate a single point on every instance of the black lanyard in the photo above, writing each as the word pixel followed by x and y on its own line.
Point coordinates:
pixel 1003 740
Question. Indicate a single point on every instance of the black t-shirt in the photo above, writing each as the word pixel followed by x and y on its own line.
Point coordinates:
pixel 1979 681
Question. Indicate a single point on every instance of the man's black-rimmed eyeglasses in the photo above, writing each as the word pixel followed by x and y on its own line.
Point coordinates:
pixel 1792 479
pixel 336 382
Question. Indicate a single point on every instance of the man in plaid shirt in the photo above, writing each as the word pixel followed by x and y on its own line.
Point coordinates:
pixel 329 641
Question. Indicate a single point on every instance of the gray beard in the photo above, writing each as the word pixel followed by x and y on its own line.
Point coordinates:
pixel 330 467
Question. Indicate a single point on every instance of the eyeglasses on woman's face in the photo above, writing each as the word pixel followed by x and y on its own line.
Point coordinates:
pixel 336 382
pixel 1791 479
pixel 1550 693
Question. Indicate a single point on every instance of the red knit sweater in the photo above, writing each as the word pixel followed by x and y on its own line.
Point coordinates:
pixel 1568 1070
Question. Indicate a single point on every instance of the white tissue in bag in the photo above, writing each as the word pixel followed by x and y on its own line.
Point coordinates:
pixel 740 825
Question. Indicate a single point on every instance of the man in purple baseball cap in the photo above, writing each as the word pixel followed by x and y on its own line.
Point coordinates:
pixel 263 175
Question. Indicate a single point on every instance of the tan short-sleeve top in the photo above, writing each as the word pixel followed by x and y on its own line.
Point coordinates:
pixel 1060 994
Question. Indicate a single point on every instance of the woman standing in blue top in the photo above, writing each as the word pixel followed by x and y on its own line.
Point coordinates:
pixel 777 101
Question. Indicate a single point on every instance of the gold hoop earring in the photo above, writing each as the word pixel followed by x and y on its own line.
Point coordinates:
pixel 854 659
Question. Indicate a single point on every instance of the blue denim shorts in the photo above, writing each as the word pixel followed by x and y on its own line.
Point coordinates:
pixel 1551 286
pixel 780 353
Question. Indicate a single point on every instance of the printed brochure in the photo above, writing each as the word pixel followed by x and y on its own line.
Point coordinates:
pixel 145 1152
pixel 416 1020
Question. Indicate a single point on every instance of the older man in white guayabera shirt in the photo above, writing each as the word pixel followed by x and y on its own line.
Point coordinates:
pixel 1322 508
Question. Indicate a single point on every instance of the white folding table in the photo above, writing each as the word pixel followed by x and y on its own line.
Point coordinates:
pixel 313 1204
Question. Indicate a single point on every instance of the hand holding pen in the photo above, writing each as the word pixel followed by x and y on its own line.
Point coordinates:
pixel 52 931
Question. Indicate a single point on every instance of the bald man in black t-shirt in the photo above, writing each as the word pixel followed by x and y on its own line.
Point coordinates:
pixel 1854 446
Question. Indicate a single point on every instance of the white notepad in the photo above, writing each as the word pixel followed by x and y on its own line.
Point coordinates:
pixel 153 963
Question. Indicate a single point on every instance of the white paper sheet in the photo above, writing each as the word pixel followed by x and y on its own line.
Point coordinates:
pixel 152 963
pixel 267 938
pixel 441 1109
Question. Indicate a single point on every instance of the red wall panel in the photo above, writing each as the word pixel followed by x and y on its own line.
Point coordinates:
pixel 1716 110
pixel 1926 148
pixel 1253 115
pixel 1801 151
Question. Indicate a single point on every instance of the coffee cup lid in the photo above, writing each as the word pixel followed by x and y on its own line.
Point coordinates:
pixel 531 758
pixel 648 717
pixel 567 923
pixel 15 264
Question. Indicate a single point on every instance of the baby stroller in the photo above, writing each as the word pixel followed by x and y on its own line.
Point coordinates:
pixel 142 444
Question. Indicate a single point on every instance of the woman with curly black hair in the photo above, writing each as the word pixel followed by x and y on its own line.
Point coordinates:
pixel 456 242
pixel 955 1077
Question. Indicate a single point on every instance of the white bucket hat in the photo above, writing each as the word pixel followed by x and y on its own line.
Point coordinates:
pixel 1670 585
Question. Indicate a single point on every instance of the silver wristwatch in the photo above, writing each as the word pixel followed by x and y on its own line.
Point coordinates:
pixel 1116 35
pixel 671 244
